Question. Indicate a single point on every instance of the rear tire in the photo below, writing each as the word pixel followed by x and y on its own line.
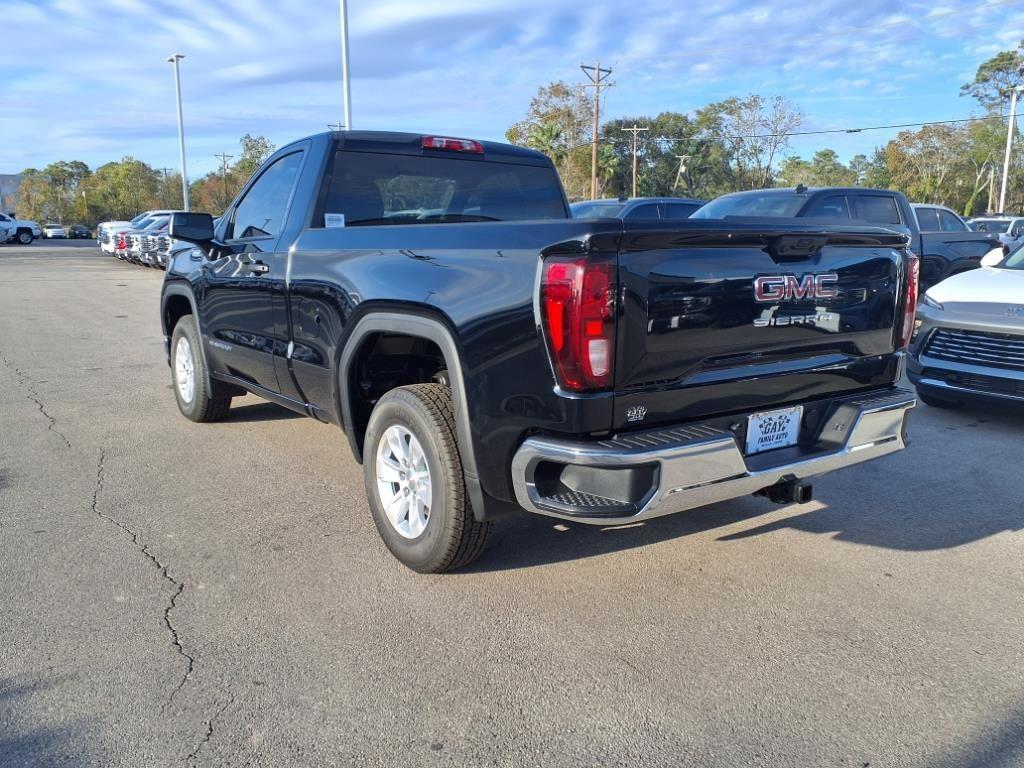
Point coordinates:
pixel 415 484
pixel 192 386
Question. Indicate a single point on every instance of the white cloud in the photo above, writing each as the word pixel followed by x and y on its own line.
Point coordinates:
pixel 96 84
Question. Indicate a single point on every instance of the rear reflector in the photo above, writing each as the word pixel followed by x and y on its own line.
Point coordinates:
pixel 577 297
pixel 910 308
pixel 452 145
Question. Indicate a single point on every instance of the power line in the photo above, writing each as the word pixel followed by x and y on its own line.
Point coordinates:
pixel 672 139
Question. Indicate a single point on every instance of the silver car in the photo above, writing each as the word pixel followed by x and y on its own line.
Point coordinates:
pixel 969 340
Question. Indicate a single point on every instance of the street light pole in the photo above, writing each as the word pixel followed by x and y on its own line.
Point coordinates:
pixel 174 58
pixel 346 91
pixel 1009 144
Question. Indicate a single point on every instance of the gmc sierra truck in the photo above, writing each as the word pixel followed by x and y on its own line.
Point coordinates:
pixel 943 252
pixel 485 353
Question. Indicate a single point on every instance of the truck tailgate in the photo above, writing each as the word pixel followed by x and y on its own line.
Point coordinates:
pixel 717 319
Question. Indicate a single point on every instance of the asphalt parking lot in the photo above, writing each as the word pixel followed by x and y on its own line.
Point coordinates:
pixel 183 594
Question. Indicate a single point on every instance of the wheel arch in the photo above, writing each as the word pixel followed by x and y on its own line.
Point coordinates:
pixel 420 322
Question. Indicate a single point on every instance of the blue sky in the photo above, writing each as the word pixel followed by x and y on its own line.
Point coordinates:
pixel 88 79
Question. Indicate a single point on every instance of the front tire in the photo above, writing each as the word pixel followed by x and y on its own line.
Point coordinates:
pixel 192 386
pixel 25 237
pixel 415 484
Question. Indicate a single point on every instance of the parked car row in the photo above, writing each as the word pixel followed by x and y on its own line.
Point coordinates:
pixel 72 232
pixel 144 240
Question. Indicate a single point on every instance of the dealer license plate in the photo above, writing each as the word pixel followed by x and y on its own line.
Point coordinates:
pixel 773 429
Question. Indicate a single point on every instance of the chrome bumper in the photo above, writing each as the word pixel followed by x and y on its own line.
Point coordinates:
pixel 699 464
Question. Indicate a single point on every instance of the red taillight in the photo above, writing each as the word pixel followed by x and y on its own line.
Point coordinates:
pixel 910 308
pixel 577 298
pixel 452 145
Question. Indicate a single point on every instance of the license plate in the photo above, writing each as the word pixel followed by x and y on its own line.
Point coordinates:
pixel 773 429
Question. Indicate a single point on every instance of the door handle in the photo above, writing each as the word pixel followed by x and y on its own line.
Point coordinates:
pixel 256 267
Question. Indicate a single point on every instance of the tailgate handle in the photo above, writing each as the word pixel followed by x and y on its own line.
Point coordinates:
pixel 795 247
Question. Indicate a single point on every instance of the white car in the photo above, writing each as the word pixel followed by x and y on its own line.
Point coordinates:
pixel 968 344
pixel 1009 229
pixel 54 232
pixel 21 231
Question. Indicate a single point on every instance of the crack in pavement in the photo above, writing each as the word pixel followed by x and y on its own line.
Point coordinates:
pixel 191 759
pixel 179 587
pixel 32 394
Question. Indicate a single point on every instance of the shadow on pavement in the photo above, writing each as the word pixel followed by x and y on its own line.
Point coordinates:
pixel 1005 749
pixel 23 741
pixel 528 540
pixel 261 411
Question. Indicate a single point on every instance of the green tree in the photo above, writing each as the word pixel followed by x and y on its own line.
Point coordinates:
pixel 255 150
pixel 559 122
pixel 996 78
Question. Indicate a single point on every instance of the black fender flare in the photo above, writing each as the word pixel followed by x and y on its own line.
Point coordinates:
pixel 388 321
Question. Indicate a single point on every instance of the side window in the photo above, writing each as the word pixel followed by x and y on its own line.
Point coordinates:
pixel 829 207
pixel 949 222
pixel 679 211
pixel 1018 229
pixel 927 219
pixel 645 211
pixel 261 212
pixel 878 209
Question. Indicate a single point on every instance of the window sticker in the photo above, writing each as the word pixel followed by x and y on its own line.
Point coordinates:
pixel 333 220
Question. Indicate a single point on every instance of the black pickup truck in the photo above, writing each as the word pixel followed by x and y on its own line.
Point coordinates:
pixel 942 253
pixel 485 353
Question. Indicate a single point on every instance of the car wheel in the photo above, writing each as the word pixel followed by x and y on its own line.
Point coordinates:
pixel 25 237
pixel 192 388
pixel 415 483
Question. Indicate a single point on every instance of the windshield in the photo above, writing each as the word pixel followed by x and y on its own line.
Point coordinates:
pixel 596 210
pixel 374 189
pixel 770 204
pixel 1015 260
pixel 156 223
pixel 990 226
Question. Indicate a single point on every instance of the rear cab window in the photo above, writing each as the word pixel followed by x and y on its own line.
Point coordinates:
pixel 828 207
pixel 880 210
pixel 927 219
pixel 678 211
pixel 364 188
pixel 646 211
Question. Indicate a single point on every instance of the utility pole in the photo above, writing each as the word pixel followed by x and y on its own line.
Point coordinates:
pixel 635 130
pixel 597 77
pixel 224 157
pixel 1009 144
pixel 682 169
pixel 991 186
pixel 174 58
pixel 345 88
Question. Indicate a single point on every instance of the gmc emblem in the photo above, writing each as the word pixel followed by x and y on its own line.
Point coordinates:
pixel 775 288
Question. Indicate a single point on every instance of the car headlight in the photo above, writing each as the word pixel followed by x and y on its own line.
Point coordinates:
pixel 928 301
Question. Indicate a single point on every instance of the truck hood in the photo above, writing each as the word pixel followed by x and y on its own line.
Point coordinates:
pixel 985 285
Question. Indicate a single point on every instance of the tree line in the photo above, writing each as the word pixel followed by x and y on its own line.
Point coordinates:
pixel 70 192
pixel 742 143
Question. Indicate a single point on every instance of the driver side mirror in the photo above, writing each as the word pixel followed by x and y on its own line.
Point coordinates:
pixel 196 228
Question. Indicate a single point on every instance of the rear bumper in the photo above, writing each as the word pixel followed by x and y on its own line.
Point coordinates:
pixel 674 469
